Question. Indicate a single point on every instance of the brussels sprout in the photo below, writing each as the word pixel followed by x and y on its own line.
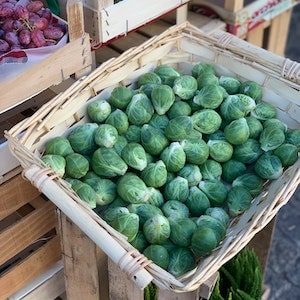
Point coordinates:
pixel 132 189
pixel 120 144
pixel 157 229
pixel 106 135
pixel 210 96
pixel 197 202
pixel 196 150
pixel 181 260
pixel 185 86
pixel 247 152
pixel 145 211
pixel 251 182
pixel 220 150
pixel 82 139
pixel 292 136
pixel 204 241
pixel 169 245
pixel 202 68
pixel 139 242
pixel 174 157
pixel 237 131
pixel 231 169
pixel 207 79
pixel 107 163
pixel 218 135
pixel 117 203
pixel 139 109
pixel 248 102
pixel 252 89
pixel 176 189
pixel 275 123
pixel 287 153
pixel 119 120
pixel 238 200
pixel 159 121
pixel 149 77
pixel 86 193
pixel 170 176
pixel 89 175
pixel 72 181
pixel 264 111
pixel 230 84
pixel 215 190
pixel 59 146
pixel 158 254
pixel 232 108
pixel 220 214
pixel 211 169
pixel 191 172
pixel 255 127
pixel 268 166
pixel 179 108
pixel 153 140
pixel 179 128
pixel 55 162
pixel 134 156
pixel 150 158
pixel 155 174
pixel 182 231
pixel 133 134
pixel 174 209
pixel 167 74
pixel 162 97
pixel 121 96
pixel 206 121
pixel 98 110
pixel 76 165
pixel 156 198
pixel 110 213
pixel 271 138
pixel 147 89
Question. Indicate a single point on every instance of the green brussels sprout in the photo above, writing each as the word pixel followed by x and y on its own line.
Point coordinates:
pixel 139 109
pixel 249 103
pixel 56 163
pixel 218 135
pixel 179 108
pixel 182 231
pixel 120 144
pixel 157 229
pixel 150 158
pixel 120 96
pixel 211 169
pixel 147 89
pixel 271 138
pixel 252 89
pixel 232 108
pixel 275 123
pixel 237 131
pixel 264 111
pixel 209 97
pixel 145 211
pixel 110 213
pixel 220 214
pixel 158 254
pixel 156 198
pixel 98 110
pixel 159 121
pixel 162 97
pixel 155 174
pixel 197 202
pixel 170 176
pixel 133 134
pixel 204 241
pixel 238 200
pixel 118 202
pixel 89 175
pixel 85 193
pixel 292 136
pixel 250 181
pixel 181 260
pixel 230 84
pixel 153 140
pixel 76 165
pixel 215 190
pixel 82 138
pixel 206 121
pixel 59 146
pixel 176 189
pixel 231 169
pixel 191 172
pixel 169 245
pixel 202 68
pixel 255 127
pixel 287 153
pixel 149 77
pixel 107 163
pixel 247 152
pixel 106 135
pixel 179 128
pixel 185 86
pixel 220 150
pixel 196 150
pixel 119 120
pixel 174 157
pixel 132 189
pixel 268 166
pixel 174 209
pixel 207 79
pixel 134 156
pixel 167 74
pixel 72 181
pixel 139 242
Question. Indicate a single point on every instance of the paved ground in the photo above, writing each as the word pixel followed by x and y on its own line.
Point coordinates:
pixel 283 269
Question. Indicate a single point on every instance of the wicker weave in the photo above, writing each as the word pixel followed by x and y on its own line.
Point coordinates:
pixel 180 46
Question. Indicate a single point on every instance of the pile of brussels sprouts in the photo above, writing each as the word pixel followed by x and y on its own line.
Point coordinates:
pixel 170 163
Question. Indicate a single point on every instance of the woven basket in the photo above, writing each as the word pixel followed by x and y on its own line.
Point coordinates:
pixel 180 46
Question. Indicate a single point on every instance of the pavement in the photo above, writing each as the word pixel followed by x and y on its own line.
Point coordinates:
pixel 283 268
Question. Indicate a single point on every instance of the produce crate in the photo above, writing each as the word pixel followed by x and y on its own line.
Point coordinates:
pixel 180 46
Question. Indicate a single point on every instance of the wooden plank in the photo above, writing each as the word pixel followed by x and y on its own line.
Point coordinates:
pixel 233 5
pixel 256 36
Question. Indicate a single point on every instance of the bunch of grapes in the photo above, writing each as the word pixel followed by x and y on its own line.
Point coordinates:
pixel 27 26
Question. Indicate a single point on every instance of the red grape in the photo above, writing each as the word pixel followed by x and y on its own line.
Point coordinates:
pixel 54 33
pixel 46 13
pixel 6 12
pixel 25 37
pixel 35 6
pixel 22 12
pixel 8 25
pixel 12 38
pixel 18 25
pixel 4 46
pixel 41 23
pixel 38 38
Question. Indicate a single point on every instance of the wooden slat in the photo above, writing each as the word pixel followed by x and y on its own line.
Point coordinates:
pixel 256 36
